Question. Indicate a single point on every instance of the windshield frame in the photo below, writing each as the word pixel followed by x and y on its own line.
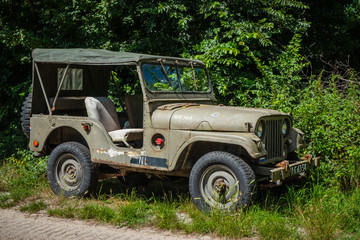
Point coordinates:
pixel 175 64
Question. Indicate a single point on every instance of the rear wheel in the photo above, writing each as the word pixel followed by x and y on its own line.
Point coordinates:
pixel 70 170
pixel 220 180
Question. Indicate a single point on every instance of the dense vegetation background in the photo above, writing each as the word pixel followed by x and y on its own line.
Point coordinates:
pixel 295 56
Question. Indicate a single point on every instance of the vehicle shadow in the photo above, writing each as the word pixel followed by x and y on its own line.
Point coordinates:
pixel 166 189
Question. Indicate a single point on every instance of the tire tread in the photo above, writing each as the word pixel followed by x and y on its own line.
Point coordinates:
pixel 80 151
pixel 229 160
pixel 25 115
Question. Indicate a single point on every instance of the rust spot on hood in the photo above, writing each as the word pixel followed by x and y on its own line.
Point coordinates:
pixel 177 105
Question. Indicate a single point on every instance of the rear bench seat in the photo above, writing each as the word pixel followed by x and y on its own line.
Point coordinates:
pixel 69 105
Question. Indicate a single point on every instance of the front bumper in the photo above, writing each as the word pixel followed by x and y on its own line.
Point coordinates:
pixel 287 169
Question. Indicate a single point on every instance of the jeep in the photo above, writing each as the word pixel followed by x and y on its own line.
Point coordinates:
pixel 167 123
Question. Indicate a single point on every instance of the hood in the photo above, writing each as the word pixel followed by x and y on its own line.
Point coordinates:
pixel 189 116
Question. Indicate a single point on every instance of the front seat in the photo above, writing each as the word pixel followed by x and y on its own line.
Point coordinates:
pixel 103 110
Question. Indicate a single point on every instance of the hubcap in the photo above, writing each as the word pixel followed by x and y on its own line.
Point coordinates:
pixel 68 172
pixel 219 187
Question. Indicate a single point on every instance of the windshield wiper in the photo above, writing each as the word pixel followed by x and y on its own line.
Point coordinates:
pixel 192 67
pixel 164 72
pixel 178 75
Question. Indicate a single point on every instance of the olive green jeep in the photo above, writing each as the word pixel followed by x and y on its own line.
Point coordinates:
pixel 167 124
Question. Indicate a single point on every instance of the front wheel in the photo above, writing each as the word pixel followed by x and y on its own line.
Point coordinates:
pixel 220 180
pixel 70 170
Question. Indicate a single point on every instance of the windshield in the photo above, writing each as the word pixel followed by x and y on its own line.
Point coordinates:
pixel 175 78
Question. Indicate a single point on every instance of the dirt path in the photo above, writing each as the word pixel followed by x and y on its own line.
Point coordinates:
pixel 15 225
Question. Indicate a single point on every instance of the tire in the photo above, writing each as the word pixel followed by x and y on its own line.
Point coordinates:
pixel 220 180
pixel 70 171
pixel 25 115
pixel 135 179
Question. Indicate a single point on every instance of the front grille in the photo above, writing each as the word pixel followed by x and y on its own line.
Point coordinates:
pixel 273 139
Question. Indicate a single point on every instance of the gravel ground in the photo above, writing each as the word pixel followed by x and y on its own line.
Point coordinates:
pixel 15 225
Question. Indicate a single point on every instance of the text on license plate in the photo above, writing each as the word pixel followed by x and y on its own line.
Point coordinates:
pixel 298 169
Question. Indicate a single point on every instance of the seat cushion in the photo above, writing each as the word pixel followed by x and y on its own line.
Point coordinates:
pixel 128 135
pixel 103 110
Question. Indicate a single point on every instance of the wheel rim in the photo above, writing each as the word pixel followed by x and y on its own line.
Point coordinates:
pixel 219 187
pixel 68 172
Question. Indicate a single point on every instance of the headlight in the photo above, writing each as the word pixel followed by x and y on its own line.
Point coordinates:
pixel 260 130
pixel 285 127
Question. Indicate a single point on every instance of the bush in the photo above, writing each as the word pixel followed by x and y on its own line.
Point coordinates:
pixel 330 119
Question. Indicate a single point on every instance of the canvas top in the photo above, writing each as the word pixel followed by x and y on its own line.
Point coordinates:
pixel 83 56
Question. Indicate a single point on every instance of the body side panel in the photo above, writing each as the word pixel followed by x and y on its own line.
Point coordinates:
pixel 102 149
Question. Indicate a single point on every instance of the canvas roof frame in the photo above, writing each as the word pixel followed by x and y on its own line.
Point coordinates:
pixel 91 57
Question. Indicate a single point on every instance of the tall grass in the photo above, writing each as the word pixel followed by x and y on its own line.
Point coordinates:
pixel 310 211
pixel 21 176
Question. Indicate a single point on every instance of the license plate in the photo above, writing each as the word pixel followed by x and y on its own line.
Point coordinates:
pixel 298 169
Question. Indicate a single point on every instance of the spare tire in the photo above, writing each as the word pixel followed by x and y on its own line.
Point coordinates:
pixel 25 115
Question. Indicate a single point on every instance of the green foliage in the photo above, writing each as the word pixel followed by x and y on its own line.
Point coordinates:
pixel 11 134
pixel 94 211
pixel 242 51
pixel 21 176
pixel 130 214
pixel 320 204
pixel 218 222
pixel 315 217
pixel 279 229
pixel 25 162
pixel 33 206
pixel 126 77
pixel 330 119
pixel 133 213
pixel 66 212
pixel 166 216
pixel 281 84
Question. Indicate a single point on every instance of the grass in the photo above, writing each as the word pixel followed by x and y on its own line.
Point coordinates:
pixel 33 207
pixel 312 211
pixel 21 180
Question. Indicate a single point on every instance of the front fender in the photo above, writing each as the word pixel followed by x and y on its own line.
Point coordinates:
pixel 248 141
